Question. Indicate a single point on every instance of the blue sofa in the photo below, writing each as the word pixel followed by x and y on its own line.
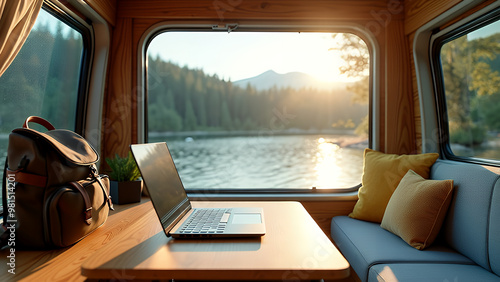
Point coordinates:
pixel 467 248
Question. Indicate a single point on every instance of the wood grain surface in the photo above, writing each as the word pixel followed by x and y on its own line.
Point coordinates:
pixel 294 247
pixel 120 231
pixel 400 136
pixel 250 9
pixel 105 8
pixel 119 102
pixel 419 12
pixel 64 264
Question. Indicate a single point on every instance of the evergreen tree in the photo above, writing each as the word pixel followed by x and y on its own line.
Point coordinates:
pixel 47 83
pixel 190 122
pixel 226 122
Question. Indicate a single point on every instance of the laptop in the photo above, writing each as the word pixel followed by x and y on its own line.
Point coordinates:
pixel 170 201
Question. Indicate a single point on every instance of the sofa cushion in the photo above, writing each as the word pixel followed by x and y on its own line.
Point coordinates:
pixel 381 175
pixel 365 244
pixel 417 209
pixel 435 272
pixel 466 225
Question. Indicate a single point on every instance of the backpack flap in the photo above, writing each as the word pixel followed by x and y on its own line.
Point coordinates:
pixel 71 146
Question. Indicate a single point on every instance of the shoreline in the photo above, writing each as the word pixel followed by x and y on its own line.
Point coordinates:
pixel 264 132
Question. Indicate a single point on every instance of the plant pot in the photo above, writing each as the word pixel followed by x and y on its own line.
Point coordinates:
pixel 125 192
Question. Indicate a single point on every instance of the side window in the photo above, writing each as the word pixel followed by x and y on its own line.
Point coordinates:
pixel 260 110
pixel 470 69
pixel 45 78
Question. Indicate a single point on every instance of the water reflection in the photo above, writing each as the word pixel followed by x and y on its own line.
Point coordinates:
pixel 328 163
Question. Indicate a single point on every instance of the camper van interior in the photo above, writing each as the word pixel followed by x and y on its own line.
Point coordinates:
pixel 366 131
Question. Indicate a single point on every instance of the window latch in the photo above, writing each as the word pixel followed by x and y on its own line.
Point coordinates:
pixel 225 27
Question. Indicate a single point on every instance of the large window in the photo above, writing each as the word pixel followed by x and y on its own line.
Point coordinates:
pixel 46 77
pixel 251 110
pixel 469 69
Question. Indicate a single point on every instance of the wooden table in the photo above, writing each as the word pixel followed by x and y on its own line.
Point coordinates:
pixel 293 248
pixel 131 245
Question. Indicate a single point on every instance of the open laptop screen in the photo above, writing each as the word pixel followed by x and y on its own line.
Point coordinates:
pixel 162 181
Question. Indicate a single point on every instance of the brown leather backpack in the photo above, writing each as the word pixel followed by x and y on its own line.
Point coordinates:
pixel 53 195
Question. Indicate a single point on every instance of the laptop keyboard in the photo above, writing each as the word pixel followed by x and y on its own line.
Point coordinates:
pixel 206 221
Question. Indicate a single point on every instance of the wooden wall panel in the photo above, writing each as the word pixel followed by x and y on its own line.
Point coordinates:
pixel 105 8
pixel 247 9
pixel 119 108
pixel 400 136
pixel 419 12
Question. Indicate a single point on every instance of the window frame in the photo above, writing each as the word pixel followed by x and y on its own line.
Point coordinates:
pixel 258 194
pixel 438 39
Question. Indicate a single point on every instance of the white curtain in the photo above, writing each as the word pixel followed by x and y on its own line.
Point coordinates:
pixel 17 17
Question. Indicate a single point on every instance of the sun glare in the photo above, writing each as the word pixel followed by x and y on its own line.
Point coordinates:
pixel 329 70
pixel 311 53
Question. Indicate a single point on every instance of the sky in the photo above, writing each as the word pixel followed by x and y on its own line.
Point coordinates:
pixel 485 31
pixel 238 55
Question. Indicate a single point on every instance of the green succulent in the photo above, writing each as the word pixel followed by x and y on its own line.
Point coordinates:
pixel 123 169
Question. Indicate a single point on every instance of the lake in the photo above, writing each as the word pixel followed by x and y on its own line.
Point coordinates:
pixel 292 161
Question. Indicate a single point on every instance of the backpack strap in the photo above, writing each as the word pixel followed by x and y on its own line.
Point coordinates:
pixel 39 120
pixel 88 205
pixel 28 178
pixel 107 197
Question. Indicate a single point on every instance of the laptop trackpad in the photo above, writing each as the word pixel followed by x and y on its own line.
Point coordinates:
pixel 246 218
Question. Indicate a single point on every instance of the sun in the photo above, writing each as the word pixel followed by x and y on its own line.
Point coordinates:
pixel 318 59
pixel 328 67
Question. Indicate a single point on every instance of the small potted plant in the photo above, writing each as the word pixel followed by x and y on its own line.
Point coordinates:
pixel 125 184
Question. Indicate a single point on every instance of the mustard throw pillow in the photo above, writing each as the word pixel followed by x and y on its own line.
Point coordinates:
pixel 417 209
pixel 381 175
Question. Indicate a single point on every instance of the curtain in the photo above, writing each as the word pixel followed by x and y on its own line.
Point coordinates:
pixel 17 17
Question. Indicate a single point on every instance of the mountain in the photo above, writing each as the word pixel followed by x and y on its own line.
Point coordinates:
pixel 295 80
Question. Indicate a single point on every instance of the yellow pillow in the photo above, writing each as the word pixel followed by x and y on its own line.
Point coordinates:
pixel 417 209
pixel 381 175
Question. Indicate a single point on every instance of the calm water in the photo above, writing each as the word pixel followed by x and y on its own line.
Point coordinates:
pixel 304 161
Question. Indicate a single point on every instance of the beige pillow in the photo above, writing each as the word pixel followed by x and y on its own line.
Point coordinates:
pixel 417 209
pixel 381 175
